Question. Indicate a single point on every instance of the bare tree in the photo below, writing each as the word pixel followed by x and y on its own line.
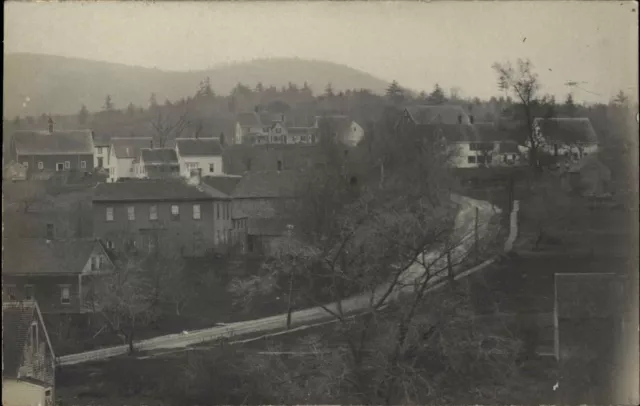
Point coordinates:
pixel 525 85
pixel 167 127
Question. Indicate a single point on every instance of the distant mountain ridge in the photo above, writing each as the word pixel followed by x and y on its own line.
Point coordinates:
pixel 36 84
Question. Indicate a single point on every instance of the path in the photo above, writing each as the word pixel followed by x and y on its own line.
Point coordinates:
pixel 464 228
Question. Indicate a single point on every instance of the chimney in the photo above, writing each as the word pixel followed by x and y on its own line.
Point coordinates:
pixel 151 144
pixel 50 125
pixel 460 119
pixel 471 118
pixel 282 118
pixel 222 139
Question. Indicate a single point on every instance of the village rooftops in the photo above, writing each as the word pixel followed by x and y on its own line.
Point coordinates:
pixel 154 190
pixel 17 317
pixel 432 114
pixel 38 256
pixel 267 184
pixel 159 156
pixel 566 130
pixel 224 183
pixel 199 146
pixel 130 147
pixel 69 142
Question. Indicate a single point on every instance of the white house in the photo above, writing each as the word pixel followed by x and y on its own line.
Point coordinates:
pixel 250 129
pixel 344 129
pixel 156 163
pixel 122 153
pixel 101 152
pixel 572 138
pixel 199 153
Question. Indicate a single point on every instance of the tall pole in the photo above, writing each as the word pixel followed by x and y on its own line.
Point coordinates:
pixel 289 308
pixel 477 243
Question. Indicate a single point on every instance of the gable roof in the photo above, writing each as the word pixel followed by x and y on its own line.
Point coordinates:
pixel 585 295
pixel 199 146
pixel 225 184
pixel 491 132
pixel 129 147
pixel 150 190
pixel 56 143
pixel 564 129
pixel 31 256
pixel 16 321
pixel 249 120
pixel 158 156
pixel 432 114
pixel 451 132
pixel 267 184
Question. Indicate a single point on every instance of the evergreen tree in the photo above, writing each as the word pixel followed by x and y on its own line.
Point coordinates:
pixel 16 121
pixel 569 106
pixel 328 90
pixel 131 110
pixel 437 96
pixel 205 88
pixel 108 103
pixel 153 102
pixel 259 87
pixel 395 93
pixel 83 115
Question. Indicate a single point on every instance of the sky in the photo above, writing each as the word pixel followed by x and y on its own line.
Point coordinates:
pixel 418 44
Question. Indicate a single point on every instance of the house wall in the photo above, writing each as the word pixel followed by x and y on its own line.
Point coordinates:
pixel 49 162
pixel 202 162
pixel 356 133
pixel 462 152
pixel 120 167
pixel 187 235
pixel 47 291
pixel 21 393
pixel 101 151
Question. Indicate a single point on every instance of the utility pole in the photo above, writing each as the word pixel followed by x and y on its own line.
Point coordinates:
pixel 477 242
pixel 291 271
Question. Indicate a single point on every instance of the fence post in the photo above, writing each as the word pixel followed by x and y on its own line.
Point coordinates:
pixel 477 242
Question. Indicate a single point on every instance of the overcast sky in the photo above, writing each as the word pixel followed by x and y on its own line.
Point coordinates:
pixel 418 44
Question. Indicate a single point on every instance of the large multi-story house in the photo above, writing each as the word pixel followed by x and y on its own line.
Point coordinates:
pixel 28 360
pixel 256 129
pixel 122 153
pixel 156 163
pixel 199 153
pixel 59 274
pixel 571 138
pixel 43 153
pixel 190 219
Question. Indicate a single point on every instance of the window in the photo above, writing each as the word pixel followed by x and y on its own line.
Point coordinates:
pixel 175 212
pixel 41 165
pixel 59 166
pixel 196 212
pixel 49 231
pixel 67 165
pixel 153 212
pixel 131 213
pixel 217 208
pixel 471 159
pixel 65 294
pixel 212 168
pixel 99 150
pixel 481 159
pixel 110 245
pixel 109 213
pixel 29 292
pixel 489 159
pixel 83 164
pixel 25 164
pixel 96 263
pixel 218 237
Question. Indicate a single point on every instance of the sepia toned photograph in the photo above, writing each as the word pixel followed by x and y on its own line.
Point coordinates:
pixel 320 202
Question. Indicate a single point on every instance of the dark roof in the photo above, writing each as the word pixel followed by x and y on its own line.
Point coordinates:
pixel 56 143
pixel 508 147
pixel 101 141
pixel 149 190
pixel 267 184
pixel 567 130
pixel 584 295
pixel 491 132
pixel 432 114
pixel 266 226
pixel 225 184
pixel 249 120
pixel 199 147
pixel 450 132
pixel 41 256
pixel 16 321
pixel 130 147
pixel 159 156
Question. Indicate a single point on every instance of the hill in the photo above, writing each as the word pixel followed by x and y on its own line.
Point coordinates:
pixel 38 84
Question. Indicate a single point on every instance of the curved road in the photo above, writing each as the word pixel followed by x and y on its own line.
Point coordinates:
pixel 463 234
